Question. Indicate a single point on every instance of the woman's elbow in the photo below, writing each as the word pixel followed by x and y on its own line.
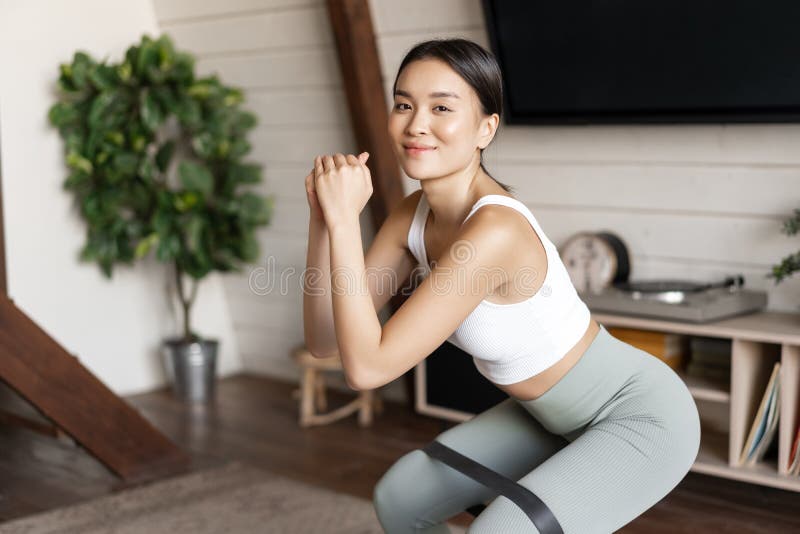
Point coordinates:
pixel 362 381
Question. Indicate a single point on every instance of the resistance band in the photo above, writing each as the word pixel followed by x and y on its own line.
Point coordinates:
pixel 536 510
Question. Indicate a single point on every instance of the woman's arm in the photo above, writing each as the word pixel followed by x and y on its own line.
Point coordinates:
pixel 474 266
pixel 320 336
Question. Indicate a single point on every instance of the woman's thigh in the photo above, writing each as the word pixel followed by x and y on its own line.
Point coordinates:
pixel 629 457
pixel 417 493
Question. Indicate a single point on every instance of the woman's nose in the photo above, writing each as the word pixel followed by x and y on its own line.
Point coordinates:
pixel 417 124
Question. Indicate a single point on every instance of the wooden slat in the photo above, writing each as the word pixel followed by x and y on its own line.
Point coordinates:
pixel 174 12
pixel 42 372
pixel 281 29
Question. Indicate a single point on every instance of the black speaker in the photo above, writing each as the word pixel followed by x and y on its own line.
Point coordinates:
pixel 449 385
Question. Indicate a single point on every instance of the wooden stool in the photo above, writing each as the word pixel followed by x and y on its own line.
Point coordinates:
pixel 312 393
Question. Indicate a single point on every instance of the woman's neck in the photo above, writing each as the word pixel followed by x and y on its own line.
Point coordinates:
pixel 451 197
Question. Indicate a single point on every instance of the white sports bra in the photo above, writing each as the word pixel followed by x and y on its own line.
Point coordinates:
pixel 512 342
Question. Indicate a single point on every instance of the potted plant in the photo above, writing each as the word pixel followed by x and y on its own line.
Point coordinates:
pixel 790 263
pixel 155 158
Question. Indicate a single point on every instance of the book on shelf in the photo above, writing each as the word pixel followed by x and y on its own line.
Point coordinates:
pixel 712 346
pixel 794 455
pixel 672 349
pixel 711 359
pixel 762 431
pixel 715 373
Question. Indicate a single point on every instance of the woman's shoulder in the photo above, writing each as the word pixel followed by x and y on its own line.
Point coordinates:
pixel 512 226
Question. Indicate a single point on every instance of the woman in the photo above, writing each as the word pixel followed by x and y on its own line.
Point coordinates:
pixel 595 430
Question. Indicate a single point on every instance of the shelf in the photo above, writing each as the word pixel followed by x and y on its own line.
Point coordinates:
pixel 759 340
pixel 765 327
pixel 706 389
pixel 726 408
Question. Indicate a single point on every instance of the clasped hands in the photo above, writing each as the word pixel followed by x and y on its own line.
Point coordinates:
pixel 338 188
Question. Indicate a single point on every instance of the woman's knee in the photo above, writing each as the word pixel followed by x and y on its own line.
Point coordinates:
pixel 393 495
pixel 502 515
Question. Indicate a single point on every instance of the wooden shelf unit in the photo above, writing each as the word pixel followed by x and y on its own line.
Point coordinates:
pixel 726 412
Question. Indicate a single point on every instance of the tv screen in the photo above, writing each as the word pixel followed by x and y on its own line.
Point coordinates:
pixel 622 61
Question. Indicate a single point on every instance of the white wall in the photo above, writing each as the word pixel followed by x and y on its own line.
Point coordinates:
pixel 114 326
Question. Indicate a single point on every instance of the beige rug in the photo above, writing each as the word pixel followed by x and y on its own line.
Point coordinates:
pixel 235 498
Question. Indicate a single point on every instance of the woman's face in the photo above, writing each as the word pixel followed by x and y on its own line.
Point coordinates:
pixel 436 110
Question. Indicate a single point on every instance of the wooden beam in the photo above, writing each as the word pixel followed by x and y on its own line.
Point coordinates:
pixel 363 86
pixel 35 366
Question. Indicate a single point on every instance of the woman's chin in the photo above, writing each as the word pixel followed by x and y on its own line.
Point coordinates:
pixel 416 171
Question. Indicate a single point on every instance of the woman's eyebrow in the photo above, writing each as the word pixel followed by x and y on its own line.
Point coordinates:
pixel 436 94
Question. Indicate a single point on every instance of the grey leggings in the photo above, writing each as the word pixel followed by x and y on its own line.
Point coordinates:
pixel 615 435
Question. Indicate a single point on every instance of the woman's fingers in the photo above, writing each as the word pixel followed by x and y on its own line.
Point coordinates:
pixel 340 160
pixel 318 167
pixel 310 181
pixel 328 163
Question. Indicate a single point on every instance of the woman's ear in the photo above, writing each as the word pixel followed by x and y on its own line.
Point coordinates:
pixel 488 129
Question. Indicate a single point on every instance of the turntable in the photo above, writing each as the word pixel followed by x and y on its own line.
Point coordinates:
pixel 599 265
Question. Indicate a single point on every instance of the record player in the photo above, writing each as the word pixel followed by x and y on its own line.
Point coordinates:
pixel 599 266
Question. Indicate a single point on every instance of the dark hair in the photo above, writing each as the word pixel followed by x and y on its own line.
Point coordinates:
pixel 474 64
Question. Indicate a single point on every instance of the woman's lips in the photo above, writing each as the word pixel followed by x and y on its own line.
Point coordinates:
pixel 413 151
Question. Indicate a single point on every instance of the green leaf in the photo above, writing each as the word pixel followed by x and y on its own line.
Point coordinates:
pixel 183 69
pixel 166 52
pixel 116 138
pixel 147 169
pixel 164 155
pixel 201 89
pixel 126 163
pixel 244 121
pixel 254 209
pixel 232 98
pixel 103 77
pixel 150 111
pixel 124 71
pixel 203 144
pixel 144 245
pixel 147 56
pixel 196 177
pixel 168 248
pixel 79 163
pixel 101 107
pixel 63 114
pixel 81 65
pixel 194 233
pixel 186 201
pixel 250 248
pixel 245 173
pixel 188 112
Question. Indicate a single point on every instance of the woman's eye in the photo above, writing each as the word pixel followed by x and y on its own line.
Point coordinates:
pixel 398 106
pixel 443 108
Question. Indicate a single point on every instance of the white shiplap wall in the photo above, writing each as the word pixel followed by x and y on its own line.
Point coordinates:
pixel 695 202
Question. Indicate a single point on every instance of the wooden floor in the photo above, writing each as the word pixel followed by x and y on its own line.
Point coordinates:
pixel 254 420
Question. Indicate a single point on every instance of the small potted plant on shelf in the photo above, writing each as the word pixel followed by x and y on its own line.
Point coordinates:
pixel 155 158
pixel 791 263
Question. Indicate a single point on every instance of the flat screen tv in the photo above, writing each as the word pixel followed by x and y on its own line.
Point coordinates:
pixel 635 61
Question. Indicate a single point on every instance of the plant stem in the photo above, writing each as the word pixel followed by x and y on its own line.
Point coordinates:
pixel 185 304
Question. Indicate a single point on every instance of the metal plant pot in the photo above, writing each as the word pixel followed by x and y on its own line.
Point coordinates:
pixel 192 368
